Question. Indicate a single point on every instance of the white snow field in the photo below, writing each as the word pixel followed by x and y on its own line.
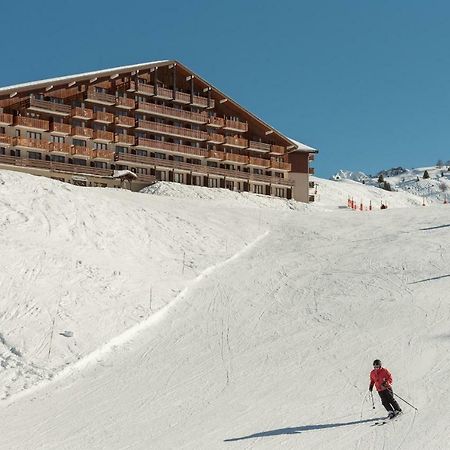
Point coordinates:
pixel 201 319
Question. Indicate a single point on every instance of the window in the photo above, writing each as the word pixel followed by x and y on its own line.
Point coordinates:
pixel 178 158
pixel 2 130
pixel 79 162
pixel 100 146
pixel 178 177
pixel 34 155
pixel 160 155
pixel 57 158
pixel 213 182
pixel 279 192
pixel 2 150
pixel 211 164
pixel 141 152
pixel 100 164
pixel 121 149
pixel 258 189
pixel 79 143
pixel 141 170
pixel 161 175
pixel 34 135
pixel 59 139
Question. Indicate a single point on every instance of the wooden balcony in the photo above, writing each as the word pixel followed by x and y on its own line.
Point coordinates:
pixel 258 162
pixel 198 100
pixel 233 158
pixel 60 147
pixel 235 125
pixel 81 151
pixel 217 122
pixel 182 97
pixel 103 136
pixel 280 165
pixel 231 141
pixel 311 157
pixel 100 97
pixel 259 146
pixel 165 111
pixel 104 154
pixel 31 123
pixel 103 117
pixel 6 140
pixel 145 89
pixel 170 130
pixel 125 139
pixel 82 132
pixel 277 150
pixel 216 155
pixel 164 93
pixel 46 106
pixel 216 138
pixel 125 103
pixel 311 171
pixel 6 119
pixel 36 144
pixel 82 113
pixel 125 121
pixel 152 144
pixel 63 129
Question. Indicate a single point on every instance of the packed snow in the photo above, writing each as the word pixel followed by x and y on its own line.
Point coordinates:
pixel 191 318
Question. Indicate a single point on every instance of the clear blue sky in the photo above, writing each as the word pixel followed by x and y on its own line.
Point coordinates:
pixel 366 82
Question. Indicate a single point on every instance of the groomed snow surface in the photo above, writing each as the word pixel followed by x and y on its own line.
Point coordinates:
pixel 192 318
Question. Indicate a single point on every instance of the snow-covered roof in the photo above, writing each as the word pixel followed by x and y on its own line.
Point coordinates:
pixel 80 76
pixel 302 147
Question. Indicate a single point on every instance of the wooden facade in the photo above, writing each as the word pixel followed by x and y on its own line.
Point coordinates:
pixel 158 120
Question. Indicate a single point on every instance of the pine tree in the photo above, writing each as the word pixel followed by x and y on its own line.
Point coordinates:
pixel 426 174
pixel 381 178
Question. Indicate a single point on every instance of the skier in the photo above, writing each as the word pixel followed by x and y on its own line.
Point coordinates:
pixel 382 379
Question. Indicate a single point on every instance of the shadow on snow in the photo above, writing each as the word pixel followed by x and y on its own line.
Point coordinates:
pixel 430 279
pixel 301 429
pixel 435 228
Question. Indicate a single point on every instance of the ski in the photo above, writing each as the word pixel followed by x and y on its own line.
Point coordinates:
pixel 386 420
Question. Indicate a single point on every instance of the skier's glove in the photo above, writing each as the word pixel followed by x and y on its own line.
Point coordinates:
pixel 385 384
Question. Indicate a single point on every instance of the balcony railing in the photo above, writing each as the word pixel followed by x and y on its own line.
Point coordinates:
pixel 231 157
pixel 82 113
pixel 182 97
pixel 277 150
pixel 165 111
pixel 104 154
pixel 259 162
pixel 216 155
pixel 146 89
pixel 124 139
pixel 81 151
pixel 31 122
pixel 124 102
pixel 280 165
pixel 32 143
pixel 216 138
pixel 104 136
pixel 6 140
pixel 125 121
pixel 198 100
pixel 60 128
pixel 164 92
pixel 311 171
pixel 60 147
pixel 47 106
pixel 104 117
pixel 100 97
pixel 169 146
pixel 6 119
pixel 259 146
pixel 218 122
pixel 236 125
pixel 83 132
pixel 311 157
pixel 235 142
pixel 172 131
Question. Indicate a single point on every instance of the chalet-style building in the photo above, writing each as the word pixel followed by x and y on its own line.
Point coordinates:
pixel 158 120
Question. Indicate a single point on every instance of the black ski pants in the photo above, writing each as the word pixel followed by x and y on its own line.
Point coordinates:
pixel 388 400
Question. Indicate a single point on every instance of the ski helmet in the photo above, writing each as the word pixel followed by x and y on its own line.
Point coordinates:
pixel 377 362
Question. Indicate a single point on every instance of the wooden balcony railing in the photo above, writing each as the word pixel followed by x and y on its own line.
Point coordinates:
pixel 169 146
pixel 183 97
pixel 165 111
pixel 6 140
pixel 236 125
pixel 311 157
pixel 100 97
pixel 58 108
pixel 31 143
pixel 104 154
pixel 259 146
pixel 83 132
pixel 101 135
pixel 173 131
pixel 81 151
pixel 280 165
pixel 61 147
pixel 60 128
pixel 216 154
pixel 235 142
pixel 311 171
pixel 104 117
pixel 241 159
pixel 31 122
pixel 147 89
pixel 259 162
pixel 124 139
pixel 82 113
pixel 164 92
pixel 216 138
pixel 125 121
pixel 218 122
pixel 124 102
pixel 6 119
pixel 198 100
pixel 277 149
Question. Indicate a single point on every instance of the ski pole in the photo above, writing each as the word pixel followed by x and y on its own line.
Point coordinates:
pixel 373 404
pixel 412 406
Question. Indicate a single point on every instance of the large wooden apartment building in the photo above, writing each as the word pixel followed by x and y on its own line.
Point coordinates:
pixel 158 120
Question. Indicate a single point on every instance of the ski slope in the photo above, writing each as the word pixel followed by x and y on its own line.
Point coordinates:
pixel 265 317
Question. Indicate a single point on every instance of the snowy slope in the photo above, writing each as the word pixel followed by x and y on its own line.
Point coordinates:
pixel 263 338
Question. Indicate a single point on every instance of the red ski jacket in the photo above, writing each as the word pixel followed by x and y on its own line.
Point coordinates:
pixel 381 378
